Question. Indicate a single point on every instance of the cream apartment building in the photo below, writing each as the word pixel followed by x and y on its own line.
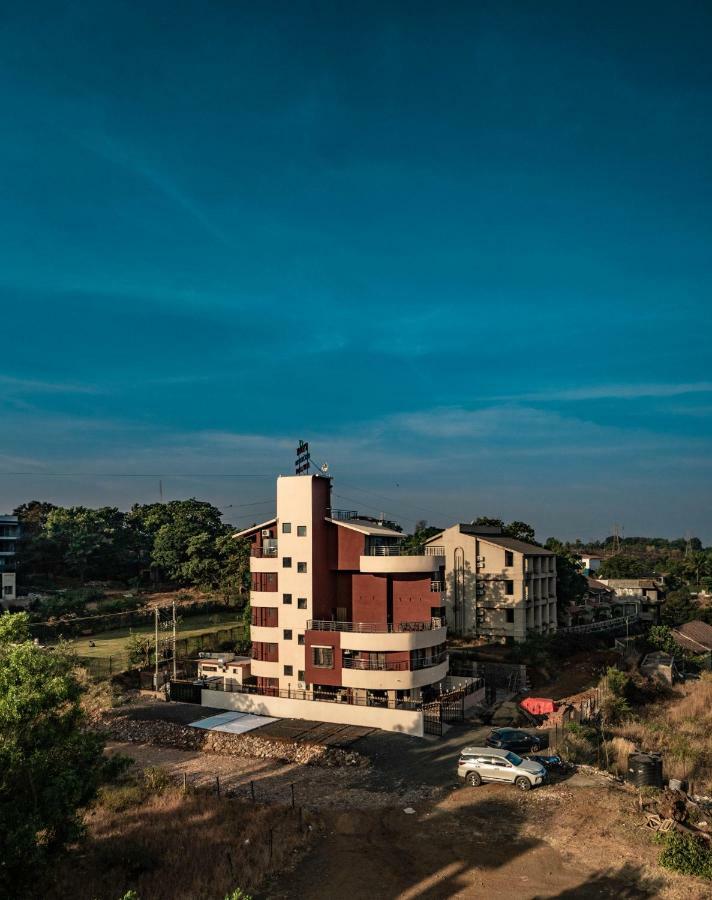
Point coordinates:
pixel 495 587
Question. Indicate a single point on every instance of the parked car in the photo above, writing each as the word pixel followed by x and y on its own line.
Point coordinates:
pixel 482 764
pixel 516 740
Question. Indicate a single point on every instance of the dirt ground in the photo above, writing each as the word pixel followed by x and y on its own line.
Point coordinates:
pixel 575 839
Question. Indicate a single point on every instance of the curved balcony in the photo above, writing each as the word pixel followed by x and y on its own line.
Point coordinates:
pixel 393 677
pixel 385 637
pixel 396 559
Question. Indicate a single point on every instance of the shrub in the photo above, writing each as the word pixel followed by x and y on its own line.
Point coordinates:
pixel 156 779
pixel 684 853
pixel 119 797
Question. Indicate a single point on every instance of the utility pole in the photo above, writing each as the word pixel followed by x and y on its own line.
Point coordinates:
pixel 174 640
pixel 155 615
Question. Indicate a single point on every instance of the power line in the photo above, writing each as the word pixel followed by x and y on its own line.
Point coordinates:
pixel 139 475
pixel 421 509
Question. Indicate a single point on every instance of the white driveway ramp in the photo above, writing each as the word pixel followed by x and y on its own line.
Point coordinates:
pixel 233 722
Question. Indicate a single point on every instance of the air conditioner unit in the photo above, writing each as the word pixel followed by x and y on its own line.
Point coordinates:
pixel 302 685
pixel 480 587
pixel 480 559
pixel 265 532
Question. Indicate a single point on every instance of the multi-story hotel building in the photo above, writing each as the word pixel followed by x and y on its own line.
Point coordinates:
pixel 339 608
pixel 496 587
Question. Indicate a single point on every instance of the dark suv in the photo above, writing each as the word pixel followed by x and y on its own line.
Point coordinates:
pixel 516 740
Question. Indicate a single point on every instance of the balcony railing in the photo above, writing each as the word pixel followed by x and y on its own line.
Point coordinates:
pixel 386 665
pixel 263 552
pixel 434 550
pixel 375 627
pixel 437 587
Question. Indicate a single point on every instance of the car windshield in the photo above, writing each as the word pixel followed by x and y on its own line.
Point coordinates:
pixel 514 759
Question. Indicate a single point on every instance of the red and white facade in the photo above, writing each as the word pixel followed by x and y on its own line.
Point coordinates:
pixel 339 610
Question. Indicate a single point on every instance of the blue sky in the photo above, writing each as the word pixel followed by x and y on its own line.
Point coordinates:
pixel 462 248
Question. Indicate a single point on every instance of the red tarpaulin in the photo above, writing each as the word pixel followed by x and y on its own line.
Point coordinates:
pixel 538 706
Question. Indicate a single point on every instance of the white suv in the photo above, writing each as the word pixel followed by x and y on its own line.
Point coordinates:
pixel 478 764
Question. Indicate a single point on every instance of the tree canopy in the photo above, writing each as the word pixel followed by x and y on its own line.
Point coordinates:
pixel 49 765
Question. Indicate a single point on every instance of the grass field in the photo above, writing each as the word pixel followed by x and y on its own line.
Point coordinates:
pixel 111 643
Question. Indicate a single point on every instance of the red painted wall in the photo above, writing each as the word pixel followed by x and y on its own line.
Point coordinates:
pixel 369 598
pixel 323 576
pixel 315 675
pixel 412 598
pixel 351 545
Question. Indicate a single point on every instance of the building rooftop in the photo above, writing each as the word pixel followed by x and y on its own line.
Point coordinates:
pixel 253 528
pixel 695 636
pixel 365 527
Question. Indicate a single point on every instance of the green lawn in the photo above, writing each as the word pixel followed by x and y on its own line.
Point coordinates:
pixel 110 643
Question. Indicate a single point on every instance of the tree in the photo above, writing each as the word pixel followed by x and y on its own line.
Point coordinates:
pixel 89 537
pixel 487 520
pixel 184 544
pixel 623 567
pixel 678 608
pixel 49 765
pixel 570 583
pixel 697 564
pixel 521 531
pixel 140 649
pixel 33 516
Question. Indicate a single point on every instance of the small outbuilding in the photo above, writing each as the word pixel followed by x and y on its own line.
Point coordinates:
pixel 695 637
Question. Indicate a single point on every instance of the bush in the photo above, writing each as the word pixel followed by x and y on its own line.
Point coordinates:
pixel 685 854
pixel 119 797
pixel 156 779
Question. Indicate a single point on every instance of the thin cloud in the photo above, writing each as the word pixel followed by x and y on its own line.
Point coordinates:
pixel 615 392
pixel 32 386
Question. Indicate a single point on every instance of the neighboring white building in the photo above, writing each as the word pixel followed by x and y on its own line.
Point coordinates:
pixel 591 564
pixel 9 537
pixel 496 587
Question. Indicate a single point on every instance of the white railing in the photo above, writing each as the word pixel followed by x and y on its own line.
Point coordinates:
pixel 434 550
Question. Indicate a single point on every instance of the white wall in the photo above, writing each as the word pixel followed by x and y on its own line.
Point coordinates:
pixel 400 720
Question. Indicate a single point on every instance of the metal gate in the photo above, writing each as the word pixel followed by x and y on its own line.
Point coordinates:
pixel 432 719
pixel 185 692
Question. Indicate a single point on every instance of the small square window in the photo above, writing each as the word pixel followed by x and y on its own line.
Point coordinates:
pixel 286 598
pixel 286 527
pixel 509 588
pixel 289 670
pixel 286 562
pixel 301 603
pixel 300 675
pixel 301 530
pixel 301 567
pixel 300 640
pixel 287 634
pixel 508 558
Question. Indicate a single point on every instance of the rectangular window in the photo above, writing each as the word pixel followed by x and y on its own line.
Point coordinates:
pixel 286 598
pixel 289 670
pixel 510 616
pixel 301 567
pixel 286 527
pixel 264 616
pixel 301 530
pixel 287 634
pixel 509 588
pixel 263 581
pixel 286 562
pixel 300 640
pixel 508 558
pixel 300 675
pixel 323 657
pixel 301 602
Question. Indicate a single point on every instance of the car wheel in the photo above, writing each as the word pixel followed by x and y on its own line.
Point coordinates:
pixel 535 748
pixel 523 783
pixel 474 780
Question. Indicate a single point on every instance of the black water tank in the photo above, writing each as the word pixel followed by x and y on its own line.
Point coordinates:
pixel 645 769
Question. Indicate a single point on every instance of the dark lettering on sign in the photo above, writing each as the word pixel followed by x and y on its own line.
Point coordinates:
pixel 302 462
